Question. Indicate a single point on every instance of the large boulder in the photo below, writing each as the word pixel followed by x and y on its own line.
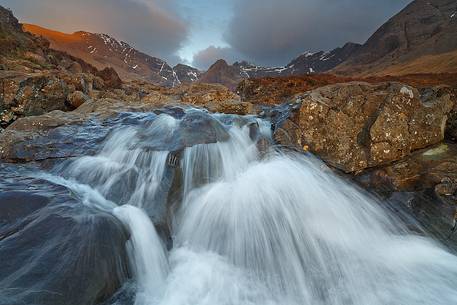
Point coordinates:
pixel 354 126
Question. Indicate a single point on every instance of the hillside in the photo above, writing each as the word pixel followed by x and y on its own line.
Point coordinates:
pixel 103 51
pixel 422 38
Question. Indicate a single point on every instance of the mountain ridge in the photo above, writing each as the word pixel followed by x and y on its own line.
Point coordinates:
pixel 412 41
pixel 102 50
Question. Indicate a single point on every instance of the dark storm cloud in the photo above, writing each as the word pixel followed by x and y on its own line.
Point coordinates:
pixel 271 31
pixel 152 26
pixel 205 58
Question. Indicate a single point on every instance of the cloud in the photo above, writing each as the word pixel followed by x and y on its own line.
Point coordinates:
pixel 272 32
pixel 205 58
pixel 152 26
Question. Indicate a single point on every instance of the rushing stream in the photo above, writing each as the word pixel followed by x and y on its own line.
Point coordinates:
pixel 249 226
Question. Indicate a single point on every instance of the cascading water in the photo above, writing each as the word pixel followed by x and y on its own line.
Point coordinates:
pixel 147 254
pixel 281 229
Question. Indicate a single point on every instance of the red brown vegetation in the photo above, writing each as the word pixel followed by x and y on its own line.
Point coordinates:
pixel 277 90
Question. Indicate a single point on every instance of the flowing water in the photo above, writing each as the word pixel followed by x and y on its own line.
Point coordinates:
pixel 254 227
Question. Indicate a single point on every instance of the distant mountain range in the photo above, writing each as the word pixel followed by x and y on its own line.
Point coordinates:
pixel 422 38
pixel 103 51
pixel 306 63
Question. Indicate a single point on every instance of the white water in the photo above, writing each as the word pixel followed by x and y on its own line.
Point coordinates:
pixel 147 254
pixel 282 230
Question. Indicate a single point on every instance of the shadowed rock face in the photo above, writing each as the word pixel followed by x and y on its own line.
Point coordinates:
pixel 357 125
pixel 424 27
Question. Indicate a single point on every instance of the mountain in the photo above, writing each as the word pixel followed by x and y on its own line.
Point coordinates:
pixel 307 63
pixel 422 38
pixel 222 73
pixel 319 62
pixel 103 51
pixel 186 74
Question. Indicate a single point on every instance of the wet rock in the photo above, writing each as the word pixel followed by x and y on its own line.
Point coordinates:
pixel 423 186
pixel 355 126
pixel 63 256
pixel 427 213
pixel 77 98
pixel 53 135
pixel 210 130
pixel 263 146
pixel 15 206
pixel 54 249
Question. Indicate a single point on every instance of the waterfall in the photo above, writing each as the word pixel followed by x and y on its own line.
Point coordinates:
pixel 147 254
pixel 252 228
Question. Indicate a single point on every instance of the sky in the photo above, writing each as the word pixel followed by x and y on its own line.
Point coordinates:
pixel 198 32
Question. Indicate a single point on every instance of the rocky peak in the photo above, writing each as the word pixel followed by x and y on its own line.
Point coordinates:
pixel 222 73
pixel 186 74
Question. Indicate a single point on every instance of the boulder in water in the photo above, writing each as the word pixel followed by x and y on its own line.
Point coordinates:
pixel 54 249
